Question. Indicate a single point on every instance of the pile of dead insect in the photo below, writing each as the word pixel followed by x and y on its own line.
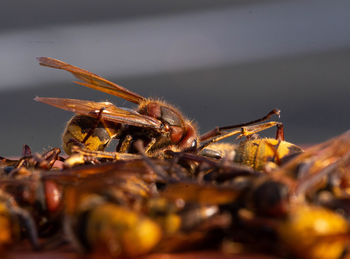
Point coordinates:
pixel 167 190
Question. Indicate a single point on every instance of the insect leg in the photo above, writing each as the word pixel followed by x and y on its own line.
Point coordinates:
pixel 220 130
pixel 244 132
pixel 83 155
pixel 280 138
pixel 150 145
pixel 91 131
pixel 51 156
pixel 280 132
pixel 124 147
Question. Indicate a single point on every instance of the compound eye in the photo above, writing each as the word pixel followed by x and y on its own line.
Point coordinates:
pixel 192 147
pixel 194 144
pixel 171 117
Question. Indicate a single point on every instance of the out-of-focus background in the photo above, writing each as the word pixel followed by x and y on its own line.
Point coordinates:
pixel 220 61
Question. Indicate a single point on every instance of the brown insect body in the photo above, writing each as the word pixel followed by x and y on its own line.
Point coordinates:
pixel 260 154
pixel 177 132
pixel 155 122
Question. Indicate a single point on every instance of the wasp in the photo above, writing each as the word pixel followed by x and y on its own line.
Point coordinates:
pixel 99 221
pixel 103 212
pixel 266 153
pixel 258 153
pixel 158 124
pixel 103 227
pixel 313 182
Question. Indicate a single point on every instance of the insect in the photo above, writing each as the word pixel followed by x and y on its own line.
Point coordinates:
pixel 258 153
pixel 158 124
pixel 106 228
pixel 103 212
pixel 125 218
pixel 312 230
pixel 266 153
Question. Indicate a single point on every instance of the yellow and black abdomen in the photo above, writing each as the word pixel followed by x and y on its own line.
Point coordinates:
pixel 79 126
pixel 110 230
pixel 314 232
pixel 257 153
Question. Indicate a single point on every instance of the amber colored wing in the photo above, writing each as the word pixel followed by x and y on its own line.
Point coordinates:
pixel 110 111
pixel 91 80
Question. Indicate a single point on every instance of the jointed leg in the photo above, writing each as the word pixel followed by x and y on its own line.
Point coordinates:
pixel 91 131
pixel 220 130
pixel 82 155
pixel 244 132
pixel 125 145
pixel 280 132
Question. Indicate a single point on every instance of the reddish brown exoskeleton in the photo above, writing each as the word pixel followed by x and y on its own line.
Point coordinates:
pixel 157 124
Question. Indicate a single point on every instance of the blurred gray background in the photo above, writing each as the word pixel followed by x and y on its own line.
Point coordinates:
pixel 220 61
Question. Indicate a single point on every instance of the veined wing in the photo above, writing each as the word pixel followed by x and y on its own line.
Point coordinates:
pixel 110 111
pixel 91 80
